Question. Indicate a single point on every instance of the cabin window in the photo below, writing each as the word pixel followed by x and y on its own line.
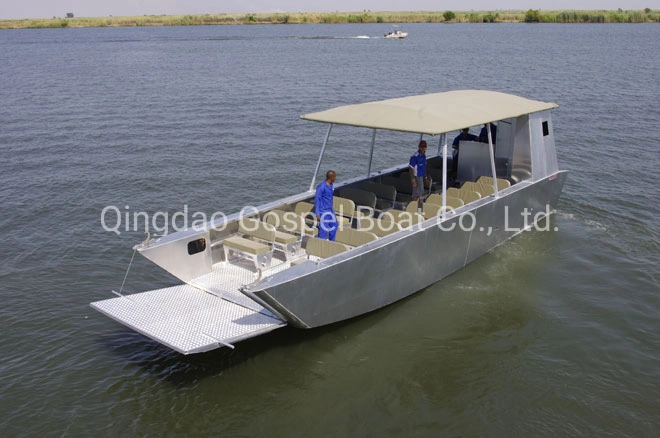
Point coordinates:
pixel 196 246
pixel 546 130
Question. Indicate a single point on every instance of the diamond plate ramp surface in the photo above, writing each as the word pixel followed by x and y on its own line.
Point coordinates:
pixel 187 319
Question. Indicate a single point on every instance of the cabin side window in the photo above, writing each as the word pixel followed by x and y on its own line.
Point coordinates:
pixel 546 130
pixel 196 246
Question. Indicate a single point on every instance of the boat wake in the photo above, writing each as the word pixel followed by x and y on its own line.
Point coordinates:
pixel 358 37
pixel 593 224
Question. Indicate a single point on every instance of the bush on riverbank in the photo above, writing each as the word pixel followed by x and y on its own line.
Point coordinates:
pixel 619 16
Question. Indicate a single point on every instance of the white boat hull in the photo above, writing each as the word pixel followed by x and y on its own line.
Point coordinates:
pixel 397 35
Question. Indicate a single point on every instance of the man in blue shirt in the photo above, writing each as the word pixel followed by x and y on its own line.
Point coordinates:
pixel 483 135
pixel 417 169
pixel 323 208
pixel 463 136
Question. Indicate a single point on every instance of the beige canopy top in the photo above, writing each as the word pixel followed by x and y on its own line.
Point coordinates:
pixel 432 113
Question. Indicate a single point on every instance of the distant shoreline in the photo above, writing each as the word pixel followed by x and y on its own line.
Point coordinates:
pixel 499 16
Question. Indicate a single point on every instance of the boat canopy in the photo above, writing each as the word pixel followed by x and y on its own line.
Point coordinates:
pixel 434 113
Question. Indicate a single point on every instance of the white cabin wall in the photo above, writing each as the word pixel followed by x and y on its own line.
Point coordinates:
pixel 544 158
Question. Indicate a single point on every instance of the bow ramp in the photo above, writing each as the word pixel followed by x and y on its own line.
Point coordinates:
pixel 188 319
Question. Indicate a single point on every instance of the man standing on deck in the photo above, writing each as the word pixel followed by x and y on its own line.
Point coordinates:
pixel 417 169
pixel 323 207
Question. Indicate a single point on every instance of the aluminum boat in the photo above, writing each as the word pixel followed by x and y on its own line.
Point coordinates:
pixel 259 270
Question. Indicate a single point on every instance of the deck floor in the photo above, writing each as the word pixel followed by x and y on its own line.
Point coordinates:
pixel 227 277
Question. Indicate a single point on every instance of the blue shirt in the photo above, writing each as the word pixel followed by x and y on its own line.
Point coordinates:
pixel 483 135
pixel 323 199
pixel 418 163
pixel 459 138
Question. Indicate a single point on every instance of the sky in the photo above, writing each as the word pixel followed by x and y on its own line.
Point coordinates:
pixel 14 9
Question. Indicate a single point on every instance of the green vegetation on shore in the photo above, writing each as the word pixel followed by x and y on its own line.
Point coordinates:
pixel 602 16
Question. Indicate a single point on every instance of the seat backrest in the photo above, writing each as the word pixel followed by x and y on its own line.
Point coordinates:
pixel 343 207
pixel 324 248
pixel 403 218
pixel 435 174
pixel 430 210
pixel 412 207
pixel 453 202
pixel 435 198
pixel 501 182
pixel 379 227
pixel 434 163
pixel 485 189
pixel 255 228
pixel 302 208
pixel 468 196
pixel 453 192
pixel 359 197
pixel 276 217
pixel 382 191
pixel 353 237
pixel 283 219
pixel 471 186
pixel 402 185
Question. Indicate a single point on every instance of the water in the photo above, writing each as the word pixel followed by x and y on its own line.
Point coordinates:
pixel 555 333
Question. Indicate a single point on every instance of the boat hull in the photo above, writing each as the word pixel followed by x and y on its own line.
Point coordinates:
pixel 348 285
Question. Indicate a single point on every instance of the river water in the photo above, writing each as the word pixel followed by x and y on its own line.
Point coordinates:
pixel 552 334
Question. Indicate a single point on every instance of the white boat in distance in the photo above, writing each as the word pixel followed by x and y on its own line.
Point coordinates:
pixel 396 32
pixel 261 270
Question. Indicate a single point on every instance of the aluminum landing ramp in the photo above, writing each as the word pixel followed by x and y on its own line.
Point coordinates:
pixel 188 319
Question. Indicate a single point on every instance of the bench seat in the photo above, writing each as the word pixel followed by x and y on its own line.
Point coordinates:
pixel 246 245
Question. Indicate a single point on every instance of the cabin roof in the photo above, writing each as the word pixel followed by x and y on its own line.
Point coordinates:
pixel 434 113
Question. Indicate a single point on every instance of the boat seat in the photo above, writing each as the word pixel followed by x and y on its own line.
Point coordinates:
pixel 379 227
pixel 345 210
pixel 404 218
pixel 323 249
pixel 472 186
pixel 452 202
pixel 487 180
pixel 304 209
pixel 403 187
pixel 436 162
pixel 465 195
pixel 256 246
pixel 430 210
pixel 413 207
pixel 385 194
pixel 485 190
pixel 365 201
pixel 353 237
pixel 290 222
pixel 469 196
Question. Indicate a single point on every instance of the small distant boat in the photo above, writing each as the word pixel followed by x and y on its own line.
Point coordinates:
pixel 396 32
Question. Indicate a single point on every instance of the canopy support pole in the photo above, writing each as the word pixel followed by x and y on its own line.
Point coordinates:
pixel 318 164
pixel 371 154
pixel 444 175
pixel 492 159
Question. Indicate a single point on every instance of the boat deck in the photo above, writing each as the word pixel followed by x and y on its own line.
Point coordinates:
pixel 208 313
pixel 227 277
